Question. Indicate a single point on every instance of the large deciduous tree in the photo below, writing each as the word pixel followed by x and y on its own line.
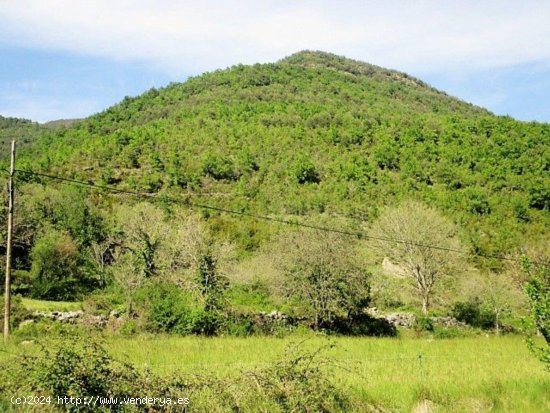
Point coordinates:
pixel 323 273
pixel 406 235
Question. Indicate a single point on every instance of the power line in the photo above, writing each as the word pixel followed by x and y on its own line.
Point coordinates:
pixel 357 234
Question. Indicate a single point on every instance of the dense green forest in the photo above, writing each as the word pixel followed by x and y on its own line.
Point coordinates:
pixel 22 130
pixel 25 131
pixel 315 138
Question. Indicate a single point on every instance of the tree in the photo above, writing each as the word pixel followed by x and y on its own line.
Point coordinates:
pixel 55 266
pixel 323 272
pixel 170 244
pixel 500 296
pixel 538 291
pixel 144 229
pixel 404 234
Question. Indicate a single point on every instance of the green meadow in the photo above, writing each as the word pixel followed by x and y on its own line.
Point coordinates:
pixel 478 374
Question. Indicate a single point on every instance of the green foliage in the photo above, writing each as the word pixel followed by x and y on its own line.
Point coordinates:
pixel 253 297
pixel 474 313
pixel 166 308
pixel 75 369
pixel 22 130
pixel 298 382
pixel 219 167
pixel 104 301
pixel 306 173
pixel 324 276
pixel 311 134
pixel 362 324
pixel 423 323
pixel 18 312
pixel 538 291
pixel 55 268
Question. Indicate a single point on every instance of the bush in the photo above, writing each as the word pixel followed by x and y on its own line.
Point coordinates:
pixel 102 303
pixel 18 312
pixel 73 369
pixel 238 325
pixel 168 309
pixel 472 313
pixel 365 325
pixel 538 291
pixel 48 328
pixel 55 268
pixel 423 323
pixel 219 167
pixel 306 172
pixel 300 383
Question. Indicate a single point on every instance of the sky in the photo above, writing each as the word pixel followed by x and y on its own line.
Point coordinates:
pixel 63 59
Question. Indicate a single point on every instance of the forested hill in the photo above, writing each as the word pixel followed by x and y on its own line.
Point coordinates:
pixel 317 133
pixel 23 130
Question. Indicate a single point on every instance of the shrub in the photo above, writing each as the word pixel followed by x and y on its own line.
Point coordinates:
pixel 102 303
pixel 55 268
pixel 423 323
pixel 299 382
pixel 306 172
pixel 73 368
pixel 219 167
pixel 48 328
pixel 538 291
pixel 166 308
pixel 238 325
pixel 324 276
pixel 473 313
pixel 18 312
pixel 365 325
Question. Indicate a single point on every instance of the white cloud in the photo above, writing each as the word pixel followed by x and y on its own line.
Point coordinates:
pixel 191 36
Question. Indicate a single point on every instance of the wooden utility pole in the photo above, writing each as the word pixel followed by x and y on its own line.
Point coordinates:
pixel 8 246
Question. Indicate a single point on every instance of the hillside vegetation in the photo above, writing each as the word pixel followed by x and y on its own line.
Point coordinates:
pixel 315 138
pixel 416 216
pixel 25 131
pixel 316 133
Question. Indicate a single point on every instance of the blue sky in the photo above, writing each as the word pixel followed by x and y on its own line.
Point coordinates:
pixel 69 58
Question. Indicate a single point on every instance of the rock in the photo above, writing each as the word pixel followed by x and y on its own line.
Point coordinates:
pixel 400 319
pixel 67 316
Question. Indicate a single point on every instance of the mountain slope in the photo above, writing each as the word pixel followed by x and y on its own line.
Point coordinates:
pixel 317 133
pixel 22 130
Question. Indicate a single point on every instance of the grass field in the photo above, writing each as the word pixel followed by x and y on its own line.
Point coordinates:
pixel 466 375
pixel 482 374
pixel 43 305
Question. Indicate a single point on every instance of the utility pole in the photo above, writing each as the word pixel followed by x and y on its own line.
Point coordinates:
pixel 8 246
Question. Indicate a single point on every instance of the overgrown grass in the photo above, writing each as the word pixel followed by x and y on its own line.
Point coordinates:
pixel 44 305
pixel 496 374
